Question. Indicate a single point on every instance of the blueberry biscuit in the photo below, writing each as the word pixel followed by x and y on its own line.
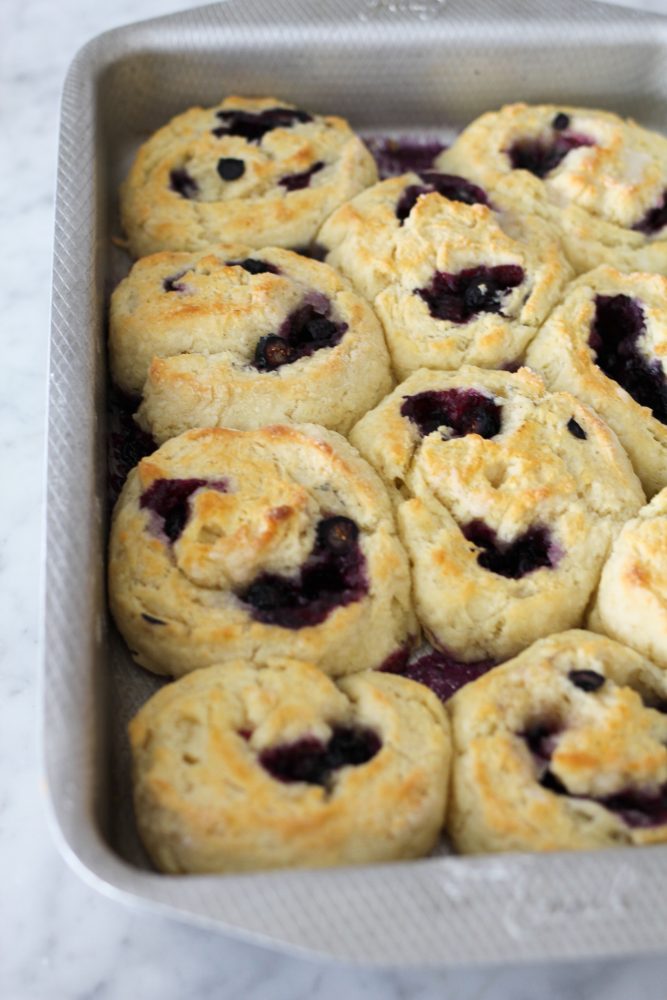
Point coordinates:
pixel 251 170
pixel 562 748
pixel 452 281
pixel 602 179
pixel 631 602
pixel 606 343
pixel 508 498
pixel 240 338
pixel 238 768
pixel 281 541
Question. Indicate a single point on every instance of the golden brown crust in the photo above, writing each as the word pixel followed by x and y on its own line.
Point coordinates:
pixel 533 474
pixel 603 742
pixel 254 209
pixel 204 802
pixel 561 353
pixel 279 482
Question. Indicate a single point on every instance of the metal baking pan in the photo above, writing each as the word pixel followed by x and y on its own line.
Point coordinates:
pixel 389 66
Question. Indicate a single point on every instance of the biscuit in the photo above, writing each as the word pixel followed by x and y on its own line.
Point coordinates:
pixel 631 602
pixel 599 177
pixel 562 748
pixel 250 170
pixel 281 541
pixel 238 768
pixel 453 283
pixel 508 498
pixel 239 338
pixel 606 343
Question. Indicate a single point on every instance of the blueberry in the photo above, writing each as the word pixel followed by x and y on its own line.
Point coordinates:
pixel 560 122
pixel 587 680
pixel 295 182
pixel 464 411
pixel 540 157
pixel 531 550
pixel 459 297
pixel 230 169
pixel 450 186
pixel 253 126
pixel 169 499
pixel 272 352
pixel 253 266
pixel 576 430
pixel 309 760
pixel 182 183
pixel 337 533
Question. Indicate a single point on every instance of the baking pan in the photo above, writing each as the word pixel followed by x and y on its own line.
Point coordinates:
pixel 418 66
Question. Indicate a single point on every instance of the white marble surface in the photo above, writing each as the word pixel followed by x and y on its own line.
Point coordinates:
pixel 58 937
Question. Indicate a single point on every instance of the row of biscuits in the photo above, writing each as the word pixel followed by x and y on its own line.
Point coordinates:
pixel 246 557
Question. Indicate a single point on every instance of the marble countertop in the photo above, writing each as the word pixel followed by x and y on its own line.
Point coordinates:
pixel 58 937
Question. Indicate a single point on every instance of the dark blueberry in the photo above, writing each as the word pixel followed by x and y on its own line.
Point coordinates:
pixel 182 183
pixel 655 219
pixel 230 169
pixel 169 499
pixel 552 783
pixel 254 266
pixel 638 808
pixel 272 352
pixel 540 156
pixel 615 332
pixel 440 672
pixel 151 620
pixel 541 738
pixel 295 182
pixel 464 411
pixel 448 185
pixel 587 680
pixel 315 251
pixel 127 444
pixel 575 429
pixel 173 283
pixel 396 156
pixel 306 330
pixel 560 122
pixel 338 533
pixel 254 126
pixel 459 297
pixel 314 762
pixel 333 575
pixel 529 551
pixel 396 662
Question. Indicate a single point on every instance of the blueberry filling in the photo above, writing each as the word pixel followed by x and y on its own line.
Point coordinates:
pixel 587 680
pixel 169 500
pixel 333 575
pixel 448 185
pixel 254 266
pixel 314 762
pixel 396 156
pixel 230 169
pixel 182 183
pixel 464 411
pixel 616 329
pixel 541 156
pixel 440 672
pixel 306 330
pixel 253 126
pixel 295 182
pixel 560 122
pixel 174 283
pixel 576 430
pixel 459 297
pixel 655 219
pixel 533 549
pixel 636 807
pixel 315 251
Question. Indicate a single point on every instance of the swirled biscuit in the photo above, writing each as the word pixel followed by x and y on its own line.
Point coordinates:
pixel 238 768
pixel 452 282
pixel 606 343
pixel 281 541
pixel 250 170
pixel 508 498
pixel 631 602
pixel 562 748
pixel 601 178
pixel 241 338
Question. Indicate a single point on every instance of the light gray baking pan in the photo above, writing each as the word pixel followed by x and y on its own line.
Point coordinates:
pixel 387 65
